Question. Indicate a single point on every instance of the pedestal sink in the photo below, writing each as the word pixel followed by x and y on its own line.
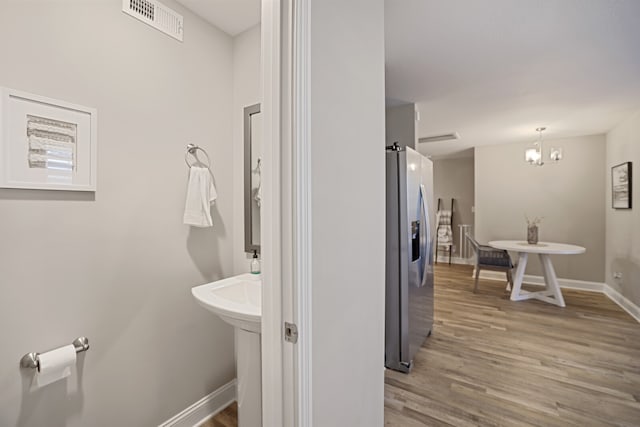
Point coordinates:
pixel 238 301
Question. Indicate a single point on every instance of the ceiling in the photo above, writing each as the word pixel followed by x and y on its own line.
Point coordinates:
pixel 231 16
pixel 494 70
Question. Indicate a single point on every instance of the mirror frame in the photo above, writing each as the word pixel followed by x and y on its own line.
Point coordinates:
pixel 249 246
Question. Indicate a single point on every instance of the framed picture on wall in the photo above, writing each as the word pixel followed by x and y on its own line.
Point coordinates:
pixel 621 186
pixel 46 144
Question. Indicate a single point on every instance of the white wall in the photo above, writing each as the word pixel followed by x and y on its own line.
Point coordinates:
pixel 117 268
pixel 623 226
pixel 567 194
pixel 401 125
pixel 454 178
pixel 348 205
pixel 246 92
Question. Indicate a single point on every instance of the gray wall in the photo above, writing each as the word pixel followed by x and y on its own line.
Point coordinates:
pixel 568 195
pixel 401 125
pixel 348 199
pixel 117 268
pixel 454 178
pixel 246 91
pixel 623 226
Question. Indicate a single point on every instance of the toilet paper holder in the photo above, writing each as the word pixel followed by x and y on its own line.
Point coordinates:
pixel 31 360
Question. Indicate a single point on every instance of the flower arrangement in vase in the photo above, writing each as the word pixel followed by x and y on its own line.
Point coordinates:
pixel 532 229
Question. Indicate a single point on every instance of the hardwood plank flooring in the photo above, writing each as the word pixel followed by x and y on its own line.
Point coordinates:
pixel 494 362
pixel 226 418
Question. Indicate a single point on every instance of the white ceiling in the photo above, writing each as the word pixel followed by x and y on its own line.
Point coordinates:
pixel 231 16
pixel 494 70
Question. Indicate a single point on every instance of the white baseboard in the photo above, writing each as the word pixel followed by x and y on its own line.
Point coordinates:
pixel 622 301
pixel 444 259
pixel 581 285
pixel 205 408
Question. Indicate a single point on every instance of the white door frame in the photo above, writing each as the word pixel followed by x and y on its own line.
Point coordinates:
pixel 270 212
pixel 301 290
pixel 286 213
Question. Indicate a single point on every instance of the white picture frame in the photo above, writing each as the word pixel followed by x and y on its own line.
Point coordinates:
pixel 46 144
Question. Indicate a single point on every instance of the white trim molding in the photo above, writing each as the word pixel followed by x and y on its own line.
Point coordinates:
pixel 444 259
pixel 581 285
pixel 626 304
pixel 205 408
pixel 271 215
pixel 302 167
pixel 286 367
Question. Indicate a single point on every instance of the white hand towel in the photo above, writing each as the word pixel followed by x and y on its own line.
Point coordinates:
pixel 258 195
pixel 201 193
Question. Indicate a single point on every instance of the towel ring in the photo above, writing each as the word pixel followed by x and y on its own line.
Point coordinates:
pixel 191 149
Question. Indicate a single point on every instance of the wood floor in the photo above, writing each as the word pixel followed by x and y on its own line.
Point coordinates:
pixel 494 362
pixel 227 418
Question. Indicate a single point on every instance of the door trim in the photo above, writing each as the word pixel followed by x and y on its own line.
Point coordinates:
pixel 302 167
pixel 287 236
pixel 270 233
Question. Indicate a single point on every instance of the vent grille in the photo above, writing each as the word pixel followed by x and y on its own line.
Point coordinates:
pixel 157 15
pixel 443 137
pixel 143 7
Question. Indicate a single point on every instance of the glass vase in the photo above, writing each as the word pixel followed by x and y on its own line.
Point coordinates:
pixel 532 234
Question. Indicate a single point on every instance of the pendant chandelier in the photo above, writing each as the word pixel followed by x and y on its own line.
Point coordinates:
pixel 534 155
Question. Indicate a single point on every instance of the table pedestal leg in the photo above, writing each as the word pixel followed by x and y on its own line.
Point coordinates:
pixel 551 281
pixel 517 280
pixel 551 293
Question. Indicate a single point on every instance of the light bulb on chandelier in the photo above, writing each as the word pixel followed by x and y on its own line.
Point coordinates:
pixel 534 155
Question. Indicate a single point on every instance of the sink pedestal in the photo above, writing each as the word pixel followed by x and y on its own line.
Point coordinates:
pixel 238 301
pixel 249 374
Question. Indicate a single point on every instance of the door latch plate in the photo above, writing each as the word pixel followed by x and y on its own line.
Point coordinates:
pixel 290 332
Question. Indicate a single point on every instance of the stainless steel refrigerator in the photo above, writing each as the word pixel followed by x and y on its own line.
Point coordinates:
pixel 410 237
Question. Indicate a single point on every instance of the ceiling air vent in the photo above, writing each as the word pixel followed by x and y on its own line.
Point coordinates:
pixel 157 15
pixel 443 137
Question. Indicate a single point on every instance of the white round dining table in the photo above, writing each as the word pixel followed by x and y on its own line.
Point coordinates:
pixel 552 293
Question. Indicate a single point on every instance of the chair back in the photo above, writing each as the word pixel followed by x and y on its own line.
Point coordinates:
pixel 473 242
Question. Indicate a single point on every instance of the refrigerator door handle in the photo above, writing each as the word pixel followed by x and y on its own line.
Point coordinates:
pixel 426 246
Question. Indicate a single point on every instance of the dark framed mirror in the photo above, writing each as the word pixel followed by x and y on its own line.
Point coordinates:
pixel 252 177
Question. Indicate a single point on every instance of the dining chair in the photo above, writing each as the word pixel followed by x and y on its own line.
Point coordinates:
pixel 488 258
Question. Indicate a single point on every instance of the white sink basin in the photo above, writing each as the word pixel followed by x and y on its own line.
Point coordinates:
pixel 237 300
